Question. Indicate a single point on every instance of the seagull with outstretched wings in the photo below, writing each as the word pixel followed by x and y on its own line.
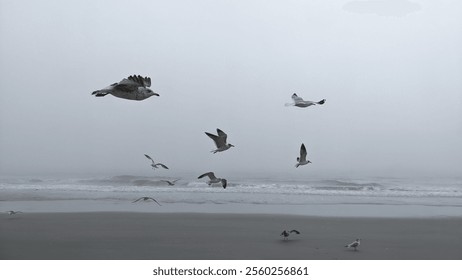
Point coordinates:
pixel 146 198
pixel 213 179
pixel 302 159
pixel 220 141
pixel 156 165
pixel 134 87
pixel 170 183
pixel 286 233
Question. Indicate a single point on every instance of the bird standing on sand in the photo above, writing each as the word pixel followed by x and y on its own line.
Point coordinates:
pixel 285 234
pixel 134 88
pixel 170 183
pixel 213 179
pixel 220 141
pixel 299 102
pixel 155 165
pixel 355 244
pixel 11 212
pixel 146 198
pixel 302 159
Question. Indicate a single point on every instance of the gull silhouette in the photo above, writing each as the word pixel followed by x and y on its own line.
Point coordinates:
pixel 285 234
pixel 302 159
pixel 134 87
pixel 220 141
pixel 299 102
pixel 155 165
pixel 213 179
pixel 146 198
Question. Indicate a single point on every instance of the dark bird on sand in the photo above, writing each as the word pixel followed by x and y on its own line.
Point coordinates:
pixel 11 212
pixel 146 198
pixel 355 244
pixel 220 141
pixel 286 233
pixel 134 88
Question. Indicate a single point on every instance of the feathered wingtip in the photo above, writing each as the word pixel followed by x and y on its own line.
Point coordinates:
pixel 99 93
pixel 146 81
pixel 322 102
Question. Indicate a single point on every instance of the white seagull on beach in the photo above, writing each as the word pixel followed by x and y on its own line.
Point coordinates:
pixel 299 102
pixel 355 244
pixel 220 141
pixel 155 165
pixel 11 212
pixel 146 198
pixel 134 88
pixel 213 179
pixel 302 159
pixel 285 234
pixel 170 183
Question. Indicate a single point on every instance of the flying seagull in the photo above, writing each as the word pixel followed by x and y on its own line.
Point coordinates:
pixel 134 88
pixel 302 159
pixel 355 244
pixel 155 165
pixel 299 102
pixel 220 141
pixel 11 212
pixel 285 234
pixel 170 183
pixel 146 198
pixel 213 179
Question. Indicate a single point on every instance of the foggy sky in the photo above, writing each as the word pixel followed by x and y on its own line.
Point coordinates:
pixel 392 80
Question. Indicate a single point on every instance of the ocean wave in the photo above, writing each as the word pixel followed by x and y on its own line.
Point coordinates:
pixel 243 189
pixel 350 184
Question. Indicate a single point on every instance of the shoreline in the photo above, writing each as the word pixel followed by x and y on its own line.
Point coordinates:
pixel 370 210
pixel 121 235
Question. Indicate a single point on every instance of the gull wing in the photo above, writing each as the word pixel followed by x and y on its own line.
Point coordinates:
pixel 219 141
pixel 302 153
pixel 161 165
pixel 137 200
pixel 140 81
pixel 211 175
pixel 296 231
pixel 154 200
pixel 222 135
pixel 296 98
pixel 127 85
pixel 149 158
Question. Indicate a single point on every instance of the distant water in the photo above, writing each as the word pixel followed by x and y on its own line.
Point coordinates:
pixel 444 192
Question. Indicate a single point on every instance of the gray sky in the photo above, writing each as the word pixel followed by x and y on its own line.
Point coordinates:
pixel 391 72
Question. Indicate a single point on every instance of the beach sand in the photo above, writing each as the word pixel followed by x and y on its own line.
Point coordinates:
pixel 113 235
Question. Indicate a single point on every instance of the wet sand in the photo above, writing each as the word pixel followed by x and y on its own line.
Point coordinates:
pixel 125 236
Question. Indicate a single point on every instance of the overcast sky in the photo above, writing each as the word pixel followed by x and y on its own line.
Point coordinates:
pixel 391 72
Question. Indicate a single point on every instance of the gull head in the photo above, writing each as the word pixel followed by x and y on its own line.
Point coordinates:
pixel 148 92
